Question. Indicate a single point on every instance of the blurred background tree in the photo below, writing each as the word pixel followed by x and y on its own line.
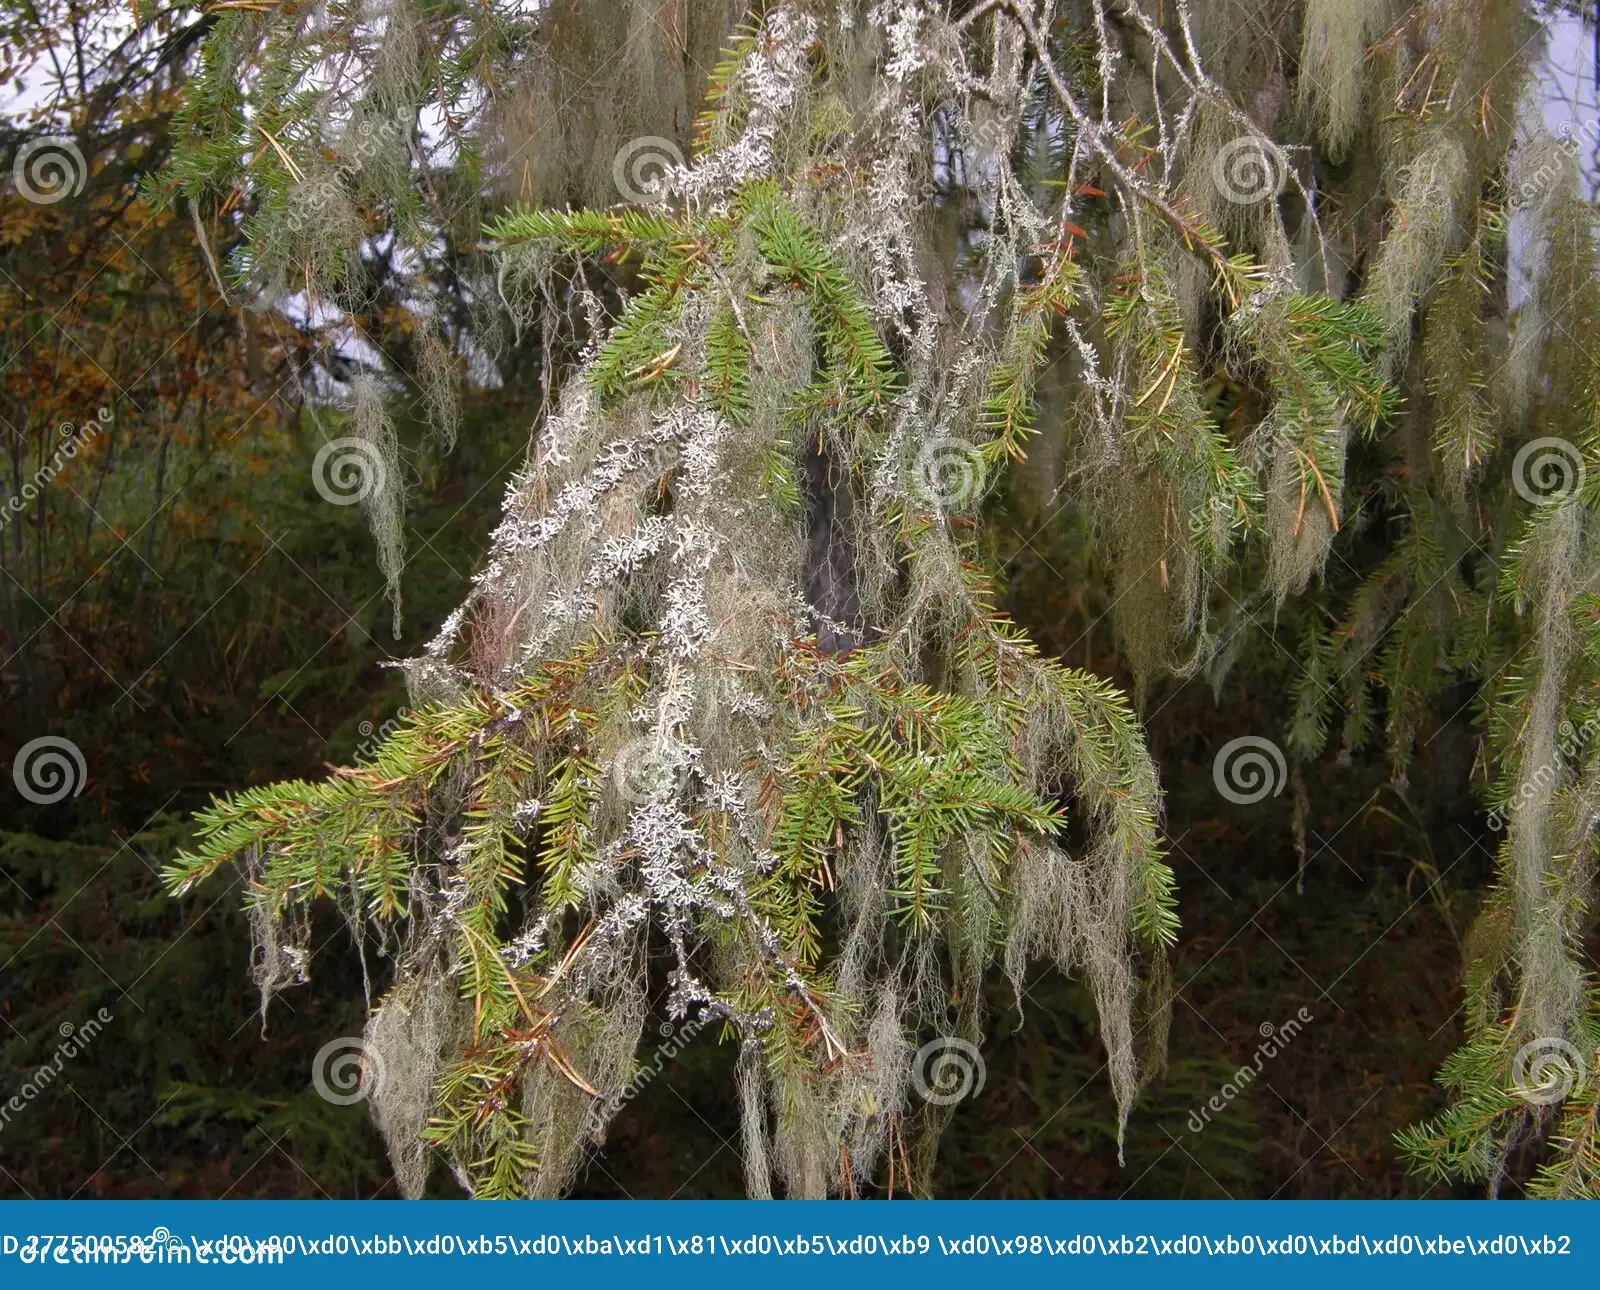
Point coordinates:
pixel 179 602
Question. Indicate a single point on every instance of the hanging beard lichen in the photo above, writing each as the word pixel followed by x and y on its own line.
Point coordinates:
pixel 630 724
pixel 732 677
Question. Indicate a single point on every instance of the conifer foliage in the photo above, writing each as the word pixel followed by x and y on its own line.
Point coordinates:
pixel 732 680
